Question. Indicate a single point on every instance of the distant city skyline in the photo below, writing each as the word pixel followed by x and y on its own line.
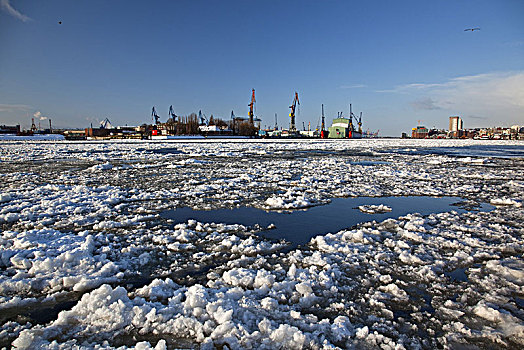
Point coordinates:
pixel 397 62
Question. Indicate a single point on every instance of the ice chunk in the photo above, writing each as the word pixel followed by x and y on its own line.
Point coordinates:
pixel 304 289
pixel 103 166
pixel 288 337
pixel 395 291
pixel 511 269
pixel 505 201
pixel 362 332
pixel 410 259
pixel 5 197
pixel 374 209
pixel 239 277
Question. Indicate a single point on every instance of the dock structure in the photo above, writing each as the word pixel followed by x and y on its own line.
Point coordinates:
pixel 343 128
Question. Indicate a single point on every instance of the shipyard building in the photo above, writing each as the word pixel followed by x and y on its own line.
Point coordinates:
pixel 455 126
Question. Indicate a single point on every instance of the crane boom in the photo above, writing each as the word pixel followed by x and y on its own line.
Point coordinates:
pixel 323 133
pixel 155 116
pixel 202 117
pixel 251 108
pixel 323 124
pixel 172 113
pixel 292 126
pixel 351 115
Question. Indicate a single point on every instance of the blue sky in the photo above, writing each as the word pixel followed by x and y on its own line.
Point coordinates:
pixel 396 61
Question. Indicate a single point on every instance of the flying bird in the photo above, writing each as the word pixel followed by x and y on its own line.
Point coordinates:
pixel 472 29
pixel 60 22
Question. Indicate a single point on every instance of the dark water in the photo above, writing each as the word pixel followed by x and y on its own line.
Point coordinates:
pixel 45 315
pixel 484 151
pixel 519 301
pixel 299 226
pixel 457 275
pixel 370 162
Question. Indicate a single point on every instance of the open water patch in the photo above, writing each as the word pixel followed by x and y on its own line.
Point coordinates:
pixel 483 151
pixel 457 275
pixel 370 162
pixel 168 150
pixel 298 227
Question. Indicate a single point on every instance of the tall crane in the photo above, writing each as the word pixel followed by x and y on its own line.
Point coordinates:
pixel 351 115
pixel 155 116
pixel 292 126
pixel 172 114
pixel 233 121
pixel 323 125
pixel 323 132
pixel 251 107
pixel 202 117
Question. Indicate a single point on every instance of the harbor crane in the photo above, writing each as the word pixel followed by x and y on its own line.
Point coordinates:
pixel 106 124
pixel 323 132
pixel 155 116
pixel 233 121
pixel 357 120
pixel 351 115
pixel 172 114
pixel 202 117
pixel 292 126
pixel 251 107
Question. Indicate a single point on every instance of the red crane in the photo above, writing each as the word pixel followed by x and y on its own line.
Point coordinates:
pixel 323 133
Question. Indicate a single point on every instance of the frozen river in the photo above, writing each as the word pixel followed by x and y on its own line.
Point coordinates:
pixel 316 244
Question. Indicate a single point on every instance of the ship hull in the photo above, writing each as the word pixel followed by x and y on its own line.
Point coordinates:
pixel 354 135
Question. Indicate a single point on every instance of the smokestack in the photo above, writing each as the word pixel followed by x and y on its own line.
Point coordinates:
pixel 50 128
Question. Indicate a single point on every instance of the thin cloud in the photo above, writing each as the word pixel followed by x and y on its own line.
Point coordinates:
pixel 355 86
pixel 476 77
pixel 407 88
pixel 477 117
pixel 13 107
pixel 421 86
pixel 6 7
pixel 425 103
pixel 514 43
pixel 453 82
pixel 495 97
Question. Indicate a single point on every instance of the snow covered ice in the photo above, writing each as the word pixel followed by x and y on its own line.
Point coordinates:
pixel 88 261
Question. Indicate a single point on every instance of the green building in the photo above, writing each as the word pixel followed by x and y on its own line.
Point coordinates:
pixel 342 128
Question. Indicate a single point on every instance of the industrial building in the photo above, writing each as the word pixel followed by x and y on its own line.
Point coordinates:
pixel 340 128
pixel 455 127
pixel 343 128
pixel 10 129
pixel 420 132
